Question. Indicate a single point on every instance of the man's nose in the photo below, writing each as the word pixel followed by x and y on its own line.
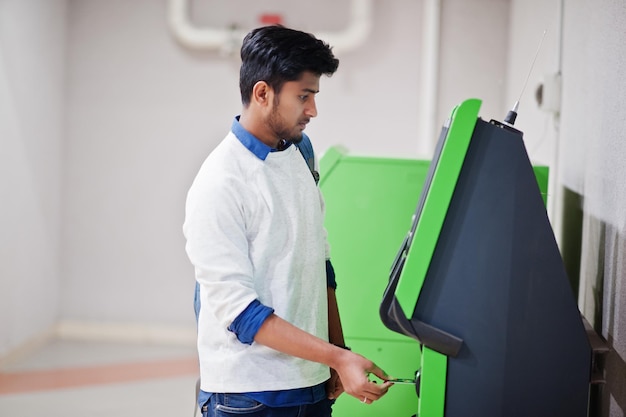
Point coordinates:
pixel 311 108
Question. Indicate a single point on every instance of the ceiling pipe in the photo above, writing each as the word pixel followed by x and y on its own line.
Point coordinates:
pixel 555 180
pixel 227 40
pixel 198 38
pixel 357 32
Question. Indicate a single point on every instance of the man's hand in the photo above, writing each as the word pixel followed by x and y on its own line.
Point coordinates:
pixel 353 371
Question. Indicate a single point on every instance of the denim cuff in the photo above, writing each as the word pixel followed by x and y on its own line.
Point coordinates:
pixel 248 323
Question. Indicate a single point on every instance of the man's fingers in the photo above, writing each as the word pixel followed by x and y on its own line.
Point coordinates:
pixel 378 372
pixel 376 391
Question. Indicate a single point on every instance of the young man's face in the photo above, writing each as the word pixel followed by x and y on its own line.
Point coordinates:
pixel 294 107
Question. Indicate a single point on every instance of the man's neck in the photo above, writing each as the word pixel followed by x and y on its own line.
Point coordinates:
pixel 259 130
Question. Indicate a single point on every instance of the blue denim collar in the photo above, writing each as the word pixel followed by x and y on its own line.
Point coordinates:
pixel 251 142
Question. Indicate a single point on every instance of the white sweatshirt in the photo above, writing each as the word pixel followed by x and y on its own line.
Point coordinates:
pixel 254 230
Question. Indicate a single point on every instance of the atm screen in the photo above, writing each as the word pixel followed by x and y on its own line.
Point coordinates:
pixel 398 263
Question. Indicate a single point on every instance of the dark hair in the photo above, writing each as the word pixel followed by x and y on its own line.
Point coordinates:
pixel 276 54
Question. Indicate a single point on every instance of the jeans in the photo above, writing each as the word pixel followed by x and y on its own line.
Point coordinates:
pixel 228 405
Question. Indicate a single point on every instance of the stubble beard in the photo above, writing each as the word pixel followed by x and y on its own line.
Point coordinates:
pixel 279 126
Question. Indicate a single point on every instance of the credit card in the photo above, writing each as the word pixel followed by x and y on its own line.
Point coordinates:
pixel 401 381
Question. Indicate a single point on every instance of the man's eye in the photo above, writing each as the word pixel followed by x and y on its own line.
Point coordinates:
pixel 303 98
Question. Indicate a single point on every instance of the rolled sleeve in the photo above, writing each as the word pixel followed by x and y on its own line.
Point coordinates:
pixel 248 323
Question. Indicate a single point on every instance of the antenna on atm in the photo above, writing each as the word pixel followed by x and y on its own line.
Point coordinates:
pixel 512 114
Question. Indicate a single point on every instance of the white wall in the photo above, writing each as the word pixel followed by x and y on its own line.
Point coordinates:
pixel 474 39
pixel 594 105
pixel 529 20
pixel 32 94
pixel 141 114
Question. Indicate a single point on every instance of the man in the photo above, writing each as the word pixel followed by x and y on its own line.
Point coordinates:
pixel 270 341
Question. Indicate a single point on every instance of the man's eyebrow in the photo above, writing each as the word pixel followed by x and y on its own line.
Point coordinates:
pixel 310 90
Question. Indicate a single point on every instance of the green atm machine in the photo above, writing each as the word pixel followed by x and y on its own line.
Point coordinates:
pixel 479 283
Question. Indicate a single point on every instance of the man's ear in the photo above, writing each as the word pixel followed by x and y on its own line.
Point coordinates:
pixel 262 93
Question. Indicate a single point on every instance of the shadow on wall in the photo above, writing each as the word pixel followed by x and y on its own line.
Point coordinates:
pixel 615 388
pixel 602 266
pixel 572 237
pixel 613 270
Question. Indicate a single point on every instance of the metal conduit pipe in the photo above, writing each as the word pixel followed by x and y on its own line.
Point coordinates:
pixel 225 40
pixel 429 86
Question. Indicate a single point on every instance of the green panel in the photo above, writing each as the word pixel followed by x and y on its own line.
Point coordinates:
pixel 445 176
pixel 331 159
pixel 398 359
pixel 433 384
pixel 369 204
pixel 542 174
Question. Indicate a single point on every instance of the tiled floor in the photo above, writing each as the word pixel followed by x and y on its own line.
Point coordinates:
pixel 69 378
